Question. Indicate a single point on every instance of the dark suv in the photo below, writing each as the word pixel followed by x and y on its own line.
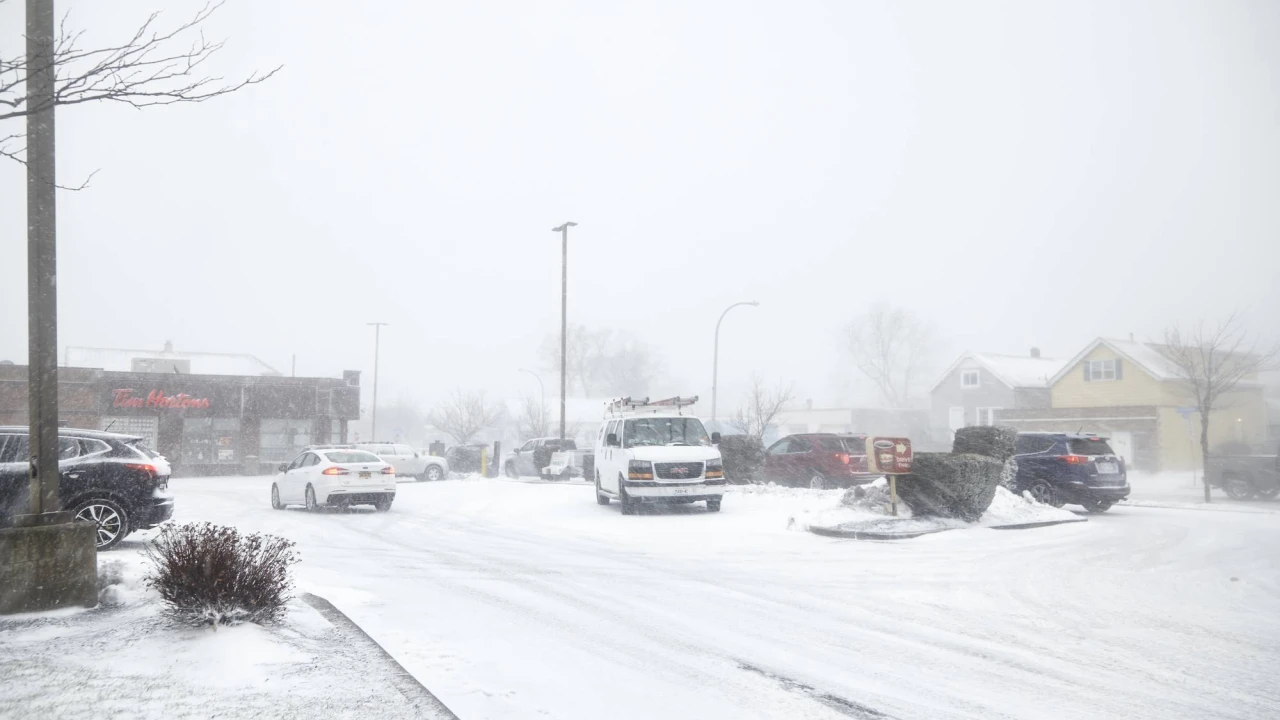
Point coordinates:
pixel 818 460
pixel 111 480
pixel 1061 468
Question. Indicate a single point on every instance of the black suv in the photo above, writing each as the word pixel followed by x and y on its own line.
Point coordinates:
pixel 1061 468
pixel 111 480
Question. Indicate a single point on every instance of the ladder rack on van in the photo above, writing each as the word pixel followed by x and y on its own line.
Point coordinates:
pixel 630 405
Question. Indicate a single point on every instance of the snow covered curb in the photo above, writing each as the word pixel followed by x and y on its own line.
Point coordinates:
pixel 863 516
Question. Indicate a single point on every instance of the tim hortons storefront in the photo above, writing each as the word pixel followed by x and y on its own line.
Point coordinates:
pixel 203 424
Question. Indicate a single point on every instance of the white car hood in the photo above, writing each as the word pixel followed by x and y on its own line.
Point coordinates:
pixel 675 453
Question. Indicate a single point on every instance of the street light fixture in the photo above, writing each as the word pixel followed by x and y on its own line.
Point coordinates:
pixel 542 398
pixel 715 359
pixel 377 340
pixel 564 313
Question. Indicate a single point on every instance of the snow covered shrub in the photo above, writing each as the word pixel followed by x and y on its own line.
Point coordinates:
pixel 873 497
pixel 954 486
pixel 743 457
pixel 212 575
pixel 996 441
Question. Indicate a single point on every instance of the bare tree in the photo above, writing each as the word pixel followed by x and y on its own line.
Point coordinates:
pixel 1211 362
pixel 464 414
pixel 888 345
pixel 532 421
pixel 152 67
pixel 761 407
pixel 601 361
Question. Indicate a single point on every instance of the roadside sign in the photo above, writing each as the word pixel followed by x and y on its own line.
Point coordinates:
pixel 1187 412
pixel 891 456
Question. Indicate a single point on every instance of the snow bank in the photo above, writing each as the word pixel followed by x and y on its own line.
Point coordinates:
pixel 868 511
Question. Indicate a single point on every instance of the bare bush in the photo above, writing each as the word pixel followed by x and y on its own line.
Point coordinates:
pixel 212 575
pixel 761 408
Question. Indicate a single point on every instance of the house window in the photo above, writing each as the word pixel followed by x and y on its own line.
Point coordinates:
pixel 987 415
pixel 1101 370
pixel 968 378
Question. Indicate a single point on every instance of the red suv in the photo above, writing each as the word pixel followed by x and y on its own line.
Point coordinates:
pixel 818 460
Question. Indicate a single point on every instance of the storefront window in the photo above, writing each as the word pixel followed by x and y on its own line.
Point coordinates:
pixel 145 427
pixel 282 440
pixel 210 441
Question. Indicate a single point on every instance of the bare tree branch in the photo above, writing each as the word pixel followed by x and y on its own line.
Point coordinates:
pixel 151 67
pixel 464 415
pixel 888 345
pixel 533 419
pixel 600 361
pixel 1210 362
pixel 761 407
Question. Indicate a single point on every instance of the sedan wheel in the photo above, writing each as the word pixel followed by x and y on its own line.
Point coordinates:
pixel 434 473
pixel 1237 488
pixel 817 482
pixel 512 472
pixel 312 505
pixel 110 519
pixel 275 497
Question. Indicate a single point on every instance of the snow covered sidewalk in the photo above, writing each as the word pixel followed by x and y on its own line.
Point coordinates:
pixel 124 659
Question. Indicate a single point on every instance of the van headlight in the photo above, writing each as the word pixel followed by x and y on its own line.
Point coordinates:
pixel 715 469
pixel 640 470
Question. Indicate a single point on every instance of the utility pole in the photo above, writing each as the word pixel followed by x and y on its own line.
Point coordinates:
pixel 715 357
pixel 42 266
pixel 564 315
pixel 377 340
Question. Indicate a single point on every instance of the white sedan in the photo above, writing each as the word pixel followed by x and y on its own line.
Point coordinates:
pixel 409 462
pixel 335 477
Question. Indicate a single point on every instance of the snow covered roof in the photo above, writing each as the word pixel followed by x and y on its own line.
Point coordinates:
pixel 202 363
pixel 1145 355
pixel 1015 371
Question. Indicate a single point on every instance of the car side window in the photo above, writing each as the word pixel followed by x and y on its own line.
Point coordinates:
pixel 311 459
pixel 798 445
pixel 297 462
pixel 68 448
pixel 779 447
pixel 14 448
pixel 89 446
pixel 527 447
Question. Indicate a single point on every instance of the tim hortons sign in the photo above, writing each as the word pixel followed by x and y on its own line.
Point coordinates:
pixel 124 398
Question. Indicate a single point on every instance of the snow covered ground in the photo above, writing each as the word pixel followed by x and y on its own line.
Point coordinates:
pixel 124 660
pixel 528 600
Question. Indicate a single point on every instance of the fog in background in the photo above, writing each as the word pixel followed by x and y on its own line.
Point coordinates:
pixel 1017 174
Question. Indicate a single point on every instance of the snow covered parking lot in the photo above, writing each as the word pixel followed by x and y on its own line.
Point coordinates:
pixel 524 600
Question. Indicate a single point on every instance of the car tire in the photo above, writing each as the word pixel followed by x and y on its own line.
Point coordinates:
pixel 512 472
pixel 433 473
pixel 713 506
pixel 111 520
pixel 1097 506
pixel 382 505
pixel 1238 488
pixel 628 505
pixel 817 482
pixel 1044 493
pixel 311 503
pixel 275 497
pixel 601 498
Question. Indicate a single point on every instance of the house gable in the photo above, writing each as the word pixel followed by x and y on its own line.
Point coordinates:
pixel 1127 382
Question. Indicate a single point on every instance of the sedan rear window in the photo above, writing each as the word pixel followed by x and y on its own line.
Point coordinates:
pixel 351 456
pixel 1090 446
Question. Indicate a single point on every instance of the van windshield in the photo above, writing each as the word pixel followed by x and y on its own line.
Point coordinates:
pixel 664 431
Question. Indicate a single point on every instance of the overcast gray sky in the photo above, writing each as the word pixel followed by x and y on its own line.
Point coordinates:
pixel 1018 173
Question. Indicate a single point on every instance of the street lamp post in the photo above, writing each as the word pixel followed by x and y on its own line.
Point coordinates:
pixel 564 314
pixel 542 398
pixel 377 340
pixel 715 358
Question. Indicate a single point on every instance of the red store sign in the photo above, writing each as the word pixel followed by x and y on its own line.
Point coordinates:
pixel 124 398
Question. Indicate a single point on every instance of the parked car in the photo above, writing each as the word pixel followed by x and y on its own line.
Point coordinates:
pixel 1244 476
pixel 534 456
pixel 1061 468
pixel 337 477
pixel 657 457
pixel 407 461
pixel 109 479
pixel 818 461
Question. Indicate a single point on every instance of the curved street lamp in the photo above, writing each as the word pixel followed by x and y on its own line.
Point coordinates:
pixel 715 360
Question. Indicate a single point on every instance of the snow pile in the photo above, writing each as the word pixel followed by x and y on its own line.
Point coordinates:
pixel 122 581
pixel 866 509
pixel 1010 509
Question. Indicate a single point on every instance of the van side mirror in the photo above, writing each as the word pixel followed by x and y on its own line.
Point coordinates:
pixel 611 440
pixel 283 467
pixel 715 438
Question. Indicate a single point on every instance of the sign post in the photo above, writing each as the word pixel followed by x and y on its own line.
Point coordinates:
pixel 891 456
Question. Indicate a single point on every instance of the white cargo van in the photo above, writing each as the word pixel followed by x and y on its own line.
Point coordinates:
pixel 652 452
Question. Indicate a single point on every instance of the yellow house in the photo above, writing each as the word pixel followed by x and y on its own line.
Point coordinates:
pixel 1129 392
